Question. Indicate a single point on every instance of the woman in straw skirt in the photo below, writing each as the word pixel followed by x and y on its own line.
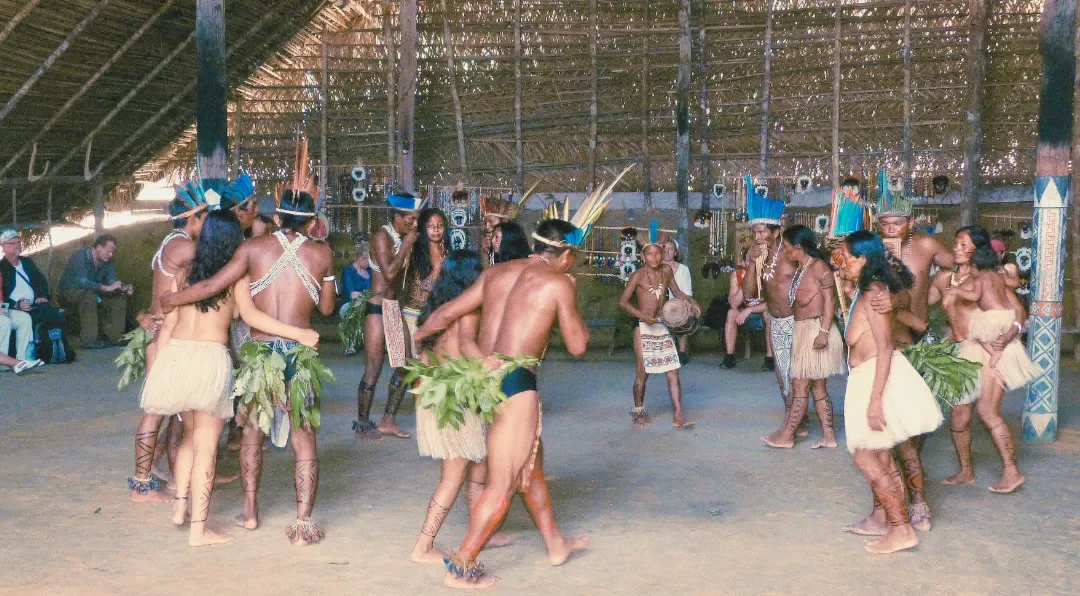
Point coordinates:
pixel 887 401
pixel 462 450
pixel 817 348
pixel 192 375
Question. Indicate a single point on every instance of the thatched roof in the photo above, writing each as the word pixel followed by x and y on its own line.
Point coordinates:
pixel 557 73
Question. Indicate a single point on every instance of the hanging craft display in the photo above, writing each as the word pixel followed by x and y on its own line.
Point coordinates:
pixel 1026 231
pixel 460 196
pixel 718 190
pixel 359 173
pixel 896 183
pixel 803 184
pixel 941 184
pixel 702 219
pixel 459 217
pixel 1025 258
pixel 458 239
pixel 821 224
pixel 359 194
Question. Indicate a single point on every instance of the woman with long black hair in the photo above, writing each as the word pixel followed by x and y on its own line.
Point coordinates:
pixel 887 401
pixel 192 375
pixel 425 262
pixel 509 242
pixel 817 348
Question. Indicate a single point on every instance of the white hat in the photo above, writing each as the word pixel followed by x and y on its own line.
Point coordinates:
pixel 7 236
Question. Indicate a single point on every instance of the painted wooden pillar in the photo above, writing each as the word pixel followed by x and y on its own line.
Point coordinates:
pixel 211 108
pixel 1051 205
pixel 836 101
pixel 973 135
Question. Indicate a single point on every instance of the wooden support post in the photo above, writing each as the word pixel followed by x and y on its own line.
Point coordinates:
pixel 14 209
pixel 973 135
pixel 594 83
pixel 391 97
pixel 703 112
pixel 448 42
pixel 1051 206
pixel 48 230
pixel 1074 221
pixel 19 16
pixel 86 85
pixel 682 123
pixel 238 135
pixel 406 91
pixel 211 108
pixel 324 90
pixel 99 206
pixel 906 130
pixel 646 173
pixel 53 57
pixel 519 145
pixel 766 81
pixel 836 102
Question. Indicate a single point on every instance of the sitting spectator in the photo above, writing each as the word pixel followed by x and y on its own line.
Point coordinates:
pixel 90 286
pixel 6 361
pixel 743 311
pixel 27 290
pixel 356 277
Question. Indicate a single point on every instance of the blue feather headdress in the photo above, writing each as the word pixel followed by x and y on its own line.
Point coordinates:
pixel 403 201
pixel 587 214
pixel 761 209
pixel 891 203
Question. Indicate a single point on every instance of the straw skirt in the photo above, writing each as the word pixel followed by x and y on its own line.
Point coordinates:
pixel 808 363
pixel 190 375
pixel 909 407
pixel 1014 369
pixel 469 441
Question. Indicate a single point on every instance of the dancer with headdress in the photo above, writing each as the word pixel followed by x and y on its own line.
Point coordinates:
pixel 172 260
pixel 192 375
pixel 425 263
pixel 496 211
pixel 654 345
pixel 293 277
pixel 817 350
pixel 391 246
pixel 987 323
pixel 521 301
pixel 887 401
pixel 769 278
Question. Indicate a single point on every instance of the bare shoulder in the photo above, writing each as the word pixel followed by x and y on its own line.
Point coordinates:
pixel 928 244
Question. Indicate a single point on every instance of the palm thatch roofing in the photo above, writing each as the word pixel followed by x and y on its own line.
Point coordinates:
pixel 586 72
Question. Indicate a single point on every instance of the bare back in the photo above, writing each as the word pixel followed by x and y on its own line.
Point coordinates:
pixel 287 299
pixel 994 294
pixel 919 255
pixel 176 258
pixel 521 303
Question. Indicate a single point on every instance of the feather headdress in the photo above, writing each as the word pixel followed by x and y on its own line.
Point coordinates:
pixel 849 213
pixel 404 201
pixel 590 210
pixel 303 181
pixel 505 209
pixel 891 202
pixel 654 234
pixel 199 197
pixel 761 209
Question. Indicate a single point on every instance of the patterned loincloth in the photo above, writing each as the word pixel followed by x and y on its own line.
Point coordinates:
pixel 394 330
pixel 658 351
pixel 783 331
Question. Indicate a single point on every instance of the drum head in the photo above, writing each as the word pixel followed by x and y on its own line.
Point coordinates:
pixel 678 315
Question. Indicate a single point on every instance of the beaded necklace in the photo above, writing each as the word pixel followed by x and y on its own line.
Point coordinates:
pixel 770 269
pixel 794 289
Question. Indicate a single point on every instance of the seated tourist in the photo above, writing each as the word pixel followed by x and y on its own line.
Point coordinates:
pixel 90 286
pixel 742 312
pixel 26 292
pixel 356 277
pixel 6 361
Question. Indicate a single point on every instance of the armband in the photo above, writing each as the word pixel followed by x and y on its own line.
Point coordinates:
pixel 329 278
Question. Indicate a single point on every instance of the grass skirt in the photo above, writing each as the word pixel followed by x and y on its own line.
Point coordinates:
pixel 469 441
pixel 910 409
pixel 1015 369
pixel 190 375
pixel 808 363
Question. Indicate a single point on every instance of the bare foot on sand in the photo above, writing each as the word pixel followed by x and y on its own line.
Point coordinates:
pixel 500 539
pixel 179 511
pixel 898 539
pixel 964 476
pixel 151 496
pixel 558 554
pixel 774 440
pixel 207 536
pixel 871 525
pixel 249 523
pixel 640 418
pixel 304 532
pixel 452 581
pixel 803 430
pixel 680 421
pixel 391 429
pixel 365 431
pixel 1010 480
pixel 824 444
pixel 920 516
pixel 222 479
pixel 430 555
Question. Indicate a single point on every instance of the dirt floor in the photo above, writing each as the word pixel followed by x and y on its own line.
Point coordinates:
pixel 706 511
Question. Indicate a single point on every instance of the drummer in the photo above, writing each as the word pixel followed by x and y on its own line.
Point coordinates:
pixel 654 345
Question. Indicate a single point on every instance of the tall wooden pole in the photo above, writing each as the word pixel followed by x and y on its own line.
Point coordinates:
pixel 594 78
pixel 703 110
pixel 238 134
pixel 646 173
pixel 766 79
pixel 407 79
pixel 973 135
pixel 682 123
pixel 906 131
pixel 211 108
pixel 1074 222
pixel 448 43
pixel 99 206
pixel 519 145
pixel 1052 183
pixel 836 103
pixel 324 90
pixel 391 98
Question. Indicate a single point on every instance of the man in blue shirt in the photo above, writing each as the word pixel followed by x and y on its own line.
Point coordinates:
pixel 89 282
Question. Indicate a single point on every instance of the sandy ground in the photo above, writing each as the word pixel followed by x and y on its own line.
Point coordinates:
pixel 707 511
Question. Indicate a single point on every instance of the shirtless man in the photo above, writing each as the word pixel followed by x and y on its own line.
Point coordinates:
pixel 968 295
pixel 769 276
pixel 390 249
pixel 541 294
pixel 649 286
pixel 290 295
pixel 173 258
pixel 919 253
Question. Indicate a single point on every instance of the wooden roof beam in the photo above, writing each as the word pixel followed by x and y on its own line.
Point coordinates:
pixel 53 57
pixel 10 26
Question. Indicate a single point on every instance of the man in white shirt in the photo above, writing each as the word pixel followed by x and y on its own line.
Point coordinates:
pixel 684 283
pixel 19 295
